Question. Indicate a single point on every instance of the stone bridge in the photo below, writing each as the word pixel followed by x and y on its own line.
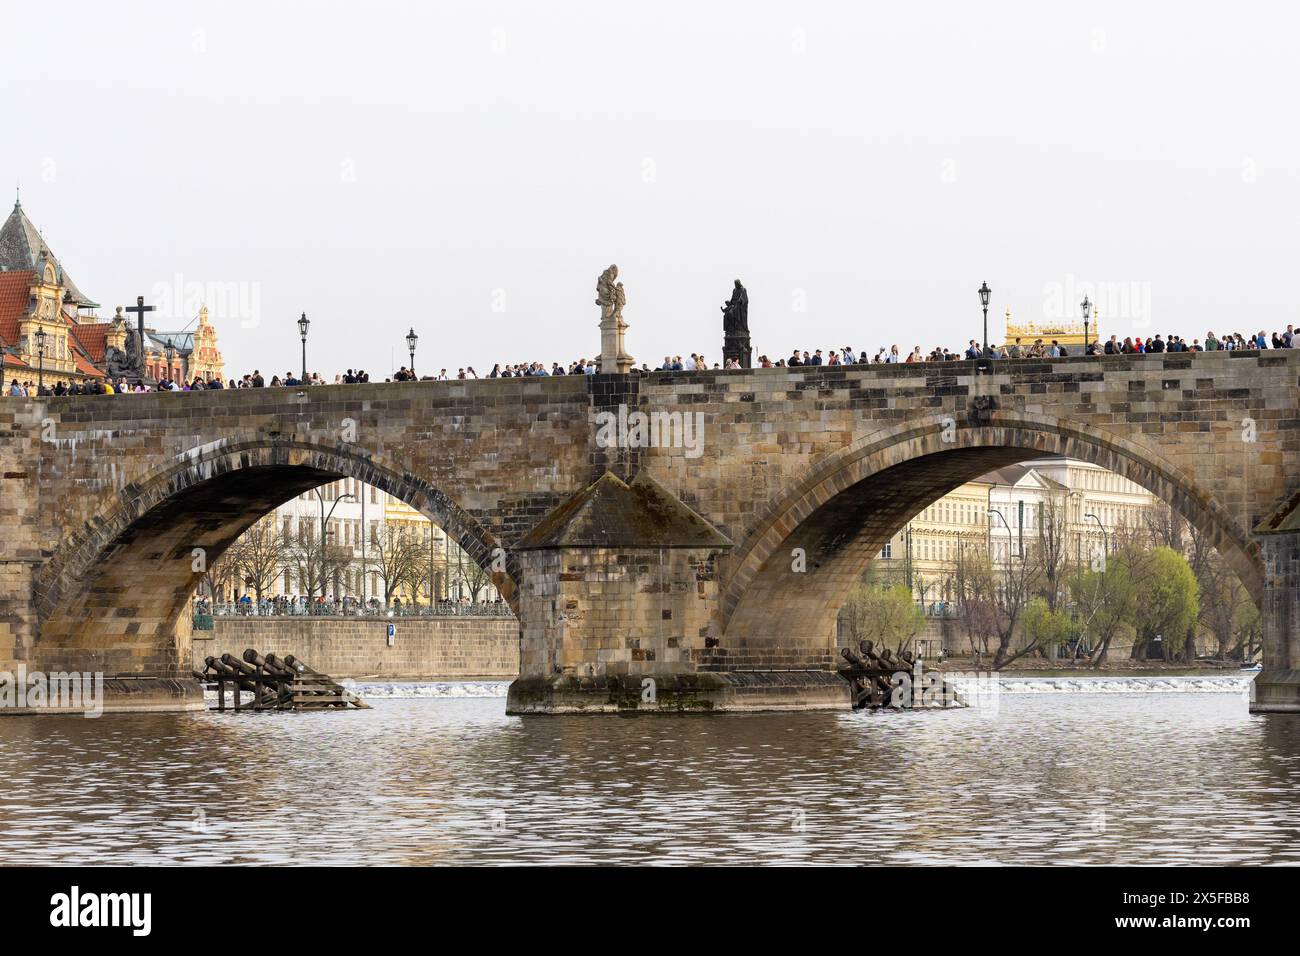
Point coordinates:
pixel 681 571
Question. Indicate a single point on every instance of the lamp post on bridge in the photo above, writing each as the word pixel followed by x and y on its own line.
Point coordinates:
pixel 1086 306
pixel 170 352
pixel 985 292
pixel 40 351
pixel 303 324
pixel 411 339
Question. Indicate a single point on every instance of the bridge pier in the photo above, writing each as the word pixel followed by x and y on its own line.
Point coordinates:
pixel 1277 686
pixel 619 597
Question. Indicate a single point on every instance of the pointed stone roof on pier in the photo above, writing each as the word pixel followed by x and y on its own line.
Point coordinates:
pixel 610 513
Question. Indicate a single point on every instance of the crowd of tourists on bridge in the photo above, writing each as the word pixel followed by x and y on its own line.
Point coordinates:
pixel 846 355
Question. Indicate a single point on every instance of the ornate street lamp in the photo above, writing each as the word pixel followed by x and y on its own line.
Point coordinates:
pixel 303 323
pixel 40 351
pixel 170 352
pixel 985 292
pixel 411 339
pixel 1086 306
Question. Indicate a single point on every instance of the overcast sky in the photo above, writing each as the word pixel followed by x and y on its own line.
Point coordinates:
pixel 469 168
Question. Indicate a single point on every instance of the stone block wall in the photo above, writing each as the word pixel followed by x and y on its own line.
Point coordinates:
pixel 425 649
pixel 595 612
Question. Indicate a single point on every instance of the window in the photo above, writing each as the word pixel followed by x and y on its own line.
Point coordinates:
pixel 887 552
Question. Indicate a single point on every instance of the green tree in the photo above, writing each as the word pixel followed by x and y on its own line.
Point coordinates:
pixel 886 615
pixel 1045 627
pixel 1168 603
pixel 1105 596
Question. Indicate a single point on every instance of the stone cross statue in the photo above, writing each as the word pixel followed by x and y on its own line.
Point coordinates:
pixel 129 363
pixel 735 327
pixel 611 299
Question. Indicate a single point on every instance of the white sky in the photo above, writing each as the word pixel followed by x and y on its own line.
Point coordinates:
pixel 382 165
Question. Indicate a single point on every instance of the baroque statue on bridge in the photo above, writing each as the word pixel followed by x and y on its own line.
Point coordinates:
pixel 610 296
pixel 611 299
pixel 735 327
pixel 128 363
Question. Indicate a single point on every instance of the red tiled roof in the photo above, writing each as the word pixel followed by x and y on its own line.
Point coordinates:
pixel 87 339
pixel 15 290
pixel 91 337
pixel 89 343
pixel 84 367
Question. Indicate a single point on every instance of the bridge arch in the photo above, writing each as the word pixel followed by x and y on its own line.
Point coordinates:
pixel 115 588
pixel 844 509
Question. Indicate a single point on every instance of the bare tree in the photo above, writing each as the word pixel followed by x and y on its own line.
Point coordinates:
pixel 1053 552
pixel 1021 582
pixel 426 574
pixel 473 578
pixel 1165 527
pixel 1225 604
pixel 259 555
pixel 317 567
pixel 396 555
pixel 976 588
pixel 221 577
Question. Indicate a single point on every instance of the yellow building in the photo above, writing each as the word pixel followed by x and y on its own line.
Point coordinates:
pixel 926 550
pixel 399 518
pixel 1093 502
pixel 1068 333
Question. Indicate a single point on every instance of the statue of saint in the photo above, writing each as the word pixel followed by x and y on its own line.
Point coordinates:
pixel 735 328
pixel 610 296
pixel 735 312
pixel 128 363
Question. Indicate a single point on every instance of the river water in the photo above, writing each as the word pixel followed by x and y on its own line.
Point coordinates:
pixel 1056 778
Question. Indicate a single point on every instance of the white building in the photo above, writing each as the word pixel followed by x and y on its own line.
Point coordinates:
pixel 359 517
pixel 1092 502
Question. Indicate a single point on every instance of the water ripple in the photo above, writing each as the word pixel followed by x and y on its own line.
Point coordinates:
pixel 1052 778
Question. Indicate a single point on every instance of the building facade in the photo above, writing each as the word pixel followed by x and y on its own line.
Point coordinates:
pixel 375 547
pixel 51 334
pixel 1001 514
pixel 1070 333
pixel 185 356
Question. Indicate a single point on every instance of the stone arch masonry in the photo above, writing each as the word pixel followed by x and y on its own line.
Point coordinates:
pixel 104 499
